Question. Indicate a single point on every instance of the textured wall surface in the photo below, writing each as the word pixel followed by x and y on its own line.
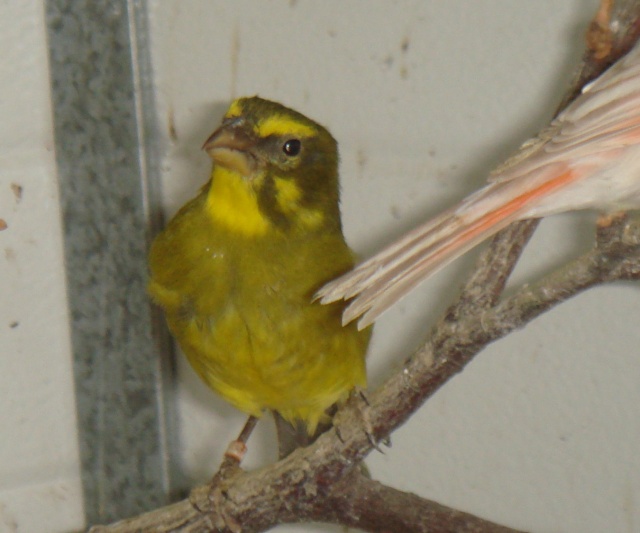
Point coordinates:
pixel 540 432
pixel 104 146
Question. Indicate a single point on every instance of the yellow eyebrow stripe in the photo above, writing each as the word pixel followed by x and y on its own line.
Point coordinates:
pixel 275 124
pixel 278 124
pixel 235 109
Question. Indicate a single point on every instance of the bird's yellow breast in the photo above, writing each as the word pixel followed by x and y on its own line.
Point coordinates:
pixel 298 364
pixel 241 309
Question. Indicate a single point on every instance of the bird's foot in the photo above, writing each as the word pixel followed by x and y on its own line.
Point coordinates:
pixel 213 500
pixel 223 479
pixel 229 469
pixel 363 407
pixel 219 498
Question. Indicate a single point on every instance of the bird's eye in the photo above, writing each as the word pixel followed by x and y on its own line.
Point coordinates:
pixel 292 147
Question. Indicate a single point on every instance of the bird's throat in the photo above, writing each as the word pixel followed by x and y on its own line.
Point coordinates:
pixel 232 201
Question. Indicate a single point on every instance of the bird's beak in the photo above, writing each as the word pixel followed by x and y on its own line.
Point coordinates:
pixel 230 147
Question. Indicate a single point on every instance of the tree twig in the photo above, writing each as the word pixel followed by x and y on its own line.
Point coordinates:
pixel 391 510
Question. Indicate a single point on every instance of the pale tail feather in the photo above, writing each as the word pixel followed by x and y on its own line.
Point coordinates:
pixel 388 276
pixel 592 130
pixel 369 271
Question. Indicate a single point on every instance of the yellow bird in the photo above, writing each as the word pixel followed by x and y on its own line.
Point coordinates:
pixel 236 268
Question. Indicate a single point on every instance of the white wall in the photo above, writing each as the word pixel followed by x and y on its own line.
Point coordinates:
pixel 39 473
pixel 538 433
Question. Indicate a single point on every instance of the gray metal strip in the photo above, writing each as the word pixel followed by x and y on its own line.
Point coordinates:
pixel 107 164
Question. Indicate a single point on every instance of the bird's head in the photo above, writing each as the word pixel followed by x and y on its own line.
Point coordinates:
pixel 276 166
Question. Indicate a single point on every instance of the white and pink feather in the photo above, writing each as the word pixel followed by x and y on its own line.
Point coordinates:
pixel 587 158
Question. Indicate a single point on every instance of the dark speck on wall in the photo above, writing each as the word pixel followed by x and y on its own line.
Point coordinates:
pixel 17 191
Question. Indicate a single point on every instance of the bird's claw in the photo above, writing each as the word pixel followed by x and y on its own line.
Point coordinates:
pixel 218 495
pixel 363 408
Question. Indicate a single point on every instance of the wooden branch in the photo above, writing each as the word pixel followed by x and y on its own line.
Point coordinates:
pixel 356 501
pixel 313 480
pixel 454 343
pixel 322 482
pixel 387 509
